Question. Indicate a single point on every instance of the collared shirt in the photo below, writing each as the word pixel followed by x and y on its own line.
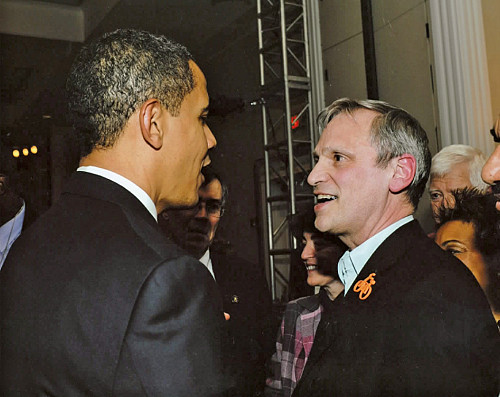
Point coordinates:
pixel 352 262
pixel 207 261
pixel 141 195
pixel 9 232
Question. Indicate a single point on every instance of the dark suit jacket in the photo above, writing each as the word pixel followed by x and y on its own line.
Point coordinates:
pixel 95 301
pixel 250 336
pixel 425 330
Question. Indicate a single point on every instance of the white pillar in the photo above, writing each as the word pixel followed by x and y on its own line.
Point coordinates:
pixel 461 71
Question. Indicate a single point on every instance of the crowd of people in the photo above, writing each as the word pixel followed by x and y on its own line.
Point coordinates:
pixel 122 287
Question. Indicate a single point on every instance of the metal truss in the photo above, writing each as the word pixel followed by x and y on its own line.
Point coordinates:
pixel 291 95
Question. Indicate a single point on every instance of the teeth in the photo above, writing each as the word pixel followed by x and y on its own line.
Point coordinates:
pixel 312 267
pixel 326 197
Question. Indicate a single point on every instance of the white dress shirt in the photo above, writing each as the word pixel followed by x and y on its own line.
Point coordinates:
pixel 141 195
pixel 207 261
pixel 352 262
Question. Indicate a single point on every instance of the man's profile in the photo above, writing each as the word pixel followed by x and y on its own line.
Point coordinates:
pixel 94 299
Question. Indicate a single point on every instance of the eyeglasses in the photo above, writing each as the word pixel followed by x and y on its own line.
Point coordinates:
pixel 212 206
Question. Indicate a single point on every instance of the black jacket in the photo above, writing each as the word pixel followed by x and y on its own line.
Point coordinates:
pixel 96 301
pixel 249 339
pixel 424 330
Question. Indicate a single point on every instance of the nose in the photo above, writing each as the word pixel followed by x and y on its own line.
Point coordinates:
pixel 202 210
pixel 435 205
pixel 491 170
pixel 308 252
pixel 317 174
pixel 211 141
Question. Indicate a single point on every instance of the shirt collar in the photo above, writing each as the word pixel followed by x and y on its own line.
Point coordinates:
pixel 207 261
pixel 205 258
pixel 362 253
pixel 140 194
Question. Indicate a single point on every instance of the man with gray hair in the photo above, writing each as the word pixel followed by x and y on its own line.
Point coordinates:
pixel 454 167
pixel 95 301
pixel 412 320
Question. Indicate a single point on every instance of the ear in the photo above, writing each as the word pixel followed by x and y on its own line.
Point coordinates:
pixel 149 117
pixel 404 172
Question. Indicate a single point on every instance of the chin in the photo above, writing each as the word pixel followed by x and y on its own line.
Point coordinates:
pixel 191 200
pixel 312 281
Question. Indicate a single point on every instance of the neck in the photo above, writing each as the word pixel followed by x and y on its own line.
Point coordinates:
pixel 126 166
pixel 354 240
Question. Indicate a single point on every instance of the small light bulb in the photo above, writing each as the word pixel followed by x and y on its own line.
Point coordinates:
pixel 26 151
pixel 15 153
pixel 34 149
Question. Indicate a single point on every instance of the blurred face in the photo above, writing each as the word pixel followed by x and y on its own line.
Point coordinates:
pixel 491 170
pixel 194 228
pixel 457 237
pixel 352 191
pixel 187 141
pixel 314 277
pixel 440 188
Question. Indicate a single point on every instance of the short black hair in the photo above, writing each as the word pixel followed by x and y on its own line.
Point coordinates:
pixel 473 206
pixel 114 75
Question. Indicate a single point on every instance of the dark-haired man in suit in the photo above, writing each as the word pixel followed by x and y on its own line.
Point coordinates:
pixel 245 296
pixel 412 321
pixel 95 301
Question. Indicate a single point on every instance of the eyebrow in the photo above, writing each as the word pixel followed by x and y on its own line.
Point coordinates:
pixel 452 241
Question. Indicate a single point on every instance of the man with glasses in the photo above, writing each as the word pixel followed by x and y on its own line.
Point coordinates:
pixel 246 298
pixel 193 228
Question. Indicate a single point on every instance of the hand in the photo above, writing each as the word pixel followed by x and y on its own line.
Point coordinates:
pixel 227 316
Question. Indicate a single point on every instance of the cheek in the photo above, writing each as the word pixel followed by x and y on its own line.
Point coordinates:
pixel 475 264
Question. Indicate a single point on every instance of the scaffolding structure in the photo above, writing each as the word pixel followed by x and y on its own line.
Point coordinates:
pixel 291 96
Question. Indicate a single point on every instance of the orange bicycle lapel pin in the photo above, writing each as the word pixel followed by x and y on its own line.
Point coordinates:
pixel 364 287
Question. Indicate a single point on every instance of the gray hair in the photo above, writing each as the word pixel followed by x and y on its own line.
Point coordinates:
pixel 453 155
pixel 394 132
pixel 114 75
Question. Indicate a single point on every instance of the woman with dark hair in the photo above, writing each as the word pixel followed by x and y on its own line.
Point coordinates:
pixel 320 255
pixel 470 231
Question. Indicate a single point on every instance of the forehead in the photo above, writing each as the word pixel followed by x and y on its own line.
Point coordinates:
pixel 456 230
pixel 346 128
pixel 198 98
pixel 457 178
pixel 198 75
pixel 211 191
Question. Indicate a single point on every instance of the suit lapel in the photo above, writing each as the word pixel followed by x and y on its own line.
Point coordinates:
pixel 370 278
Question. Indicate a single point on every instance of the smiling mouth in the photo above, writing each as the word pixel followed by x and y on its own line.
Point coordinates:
pixel 311 267
pixel 323 198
